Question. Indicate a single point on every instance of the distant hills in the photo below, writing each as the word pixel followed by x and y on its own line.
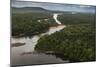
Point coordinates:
pixel 39 10
pixel 33 9
pixel 28 9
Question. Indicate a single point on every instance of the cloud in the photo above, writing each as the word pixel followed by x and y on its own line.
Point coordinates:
pixel 84 6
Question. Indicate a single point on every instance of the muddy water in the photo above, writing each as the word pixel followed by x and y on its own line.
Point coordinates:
pixel 26 55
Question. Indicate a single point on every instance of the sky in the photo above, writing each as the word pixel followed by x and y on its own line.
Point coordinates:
pixel 54 6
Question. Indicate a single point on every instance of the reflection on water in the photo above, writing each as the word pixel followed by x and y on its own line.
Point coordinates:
pixel 25 54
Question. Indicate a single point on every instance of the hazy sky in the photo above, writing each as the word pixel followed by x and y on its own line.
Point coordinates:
pixel 53 6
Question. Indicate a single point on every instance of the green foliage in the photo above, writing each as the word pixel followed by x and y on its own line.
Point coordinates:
pixel 26 24
pixel 74 43
pixel 78 18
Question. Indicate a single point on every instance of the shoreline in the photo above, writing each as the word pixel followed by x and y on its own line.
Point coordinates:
pixel 38 33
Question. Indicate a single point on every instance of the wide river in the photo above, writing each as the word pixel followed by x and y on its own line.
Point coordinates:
pixel 26 55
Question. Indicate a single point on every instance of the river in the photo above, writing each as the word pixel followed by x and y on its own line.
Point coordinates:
pixel 26 55
pixel 55 18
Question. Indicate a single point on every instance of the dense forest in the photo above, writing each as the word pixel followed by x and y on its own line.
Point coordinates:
pixel 77 18
pixel 26 24
pixel 74 43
